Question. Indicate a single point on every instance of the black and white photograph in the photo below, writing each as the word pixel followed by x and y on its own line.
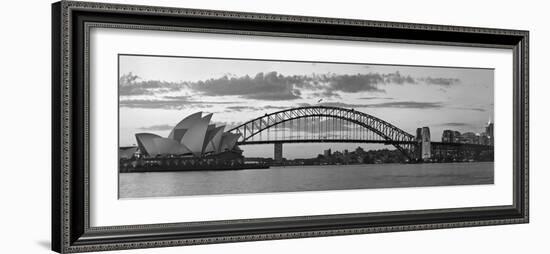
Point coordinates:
pixel 211 126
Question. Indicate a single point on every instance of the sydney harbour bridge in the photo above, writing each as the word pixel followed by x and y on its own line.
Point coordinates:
pixel 320 124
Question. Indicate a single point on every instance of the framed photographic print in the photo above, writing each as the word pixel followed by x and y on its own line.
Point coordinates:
pixel 181 126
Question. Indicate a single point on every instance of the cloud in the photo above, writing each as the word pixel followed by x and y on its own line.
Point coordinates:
pixel 160 104
pixel 275 107
pixel 397 78
pixel 273 86
pixel 408 104
pixel 471 108
pixel 453 124
pixel 355 83
pixel 374 98
pixel 228 125
pixel 129 85
pixel 370 82
pixel 241 108
pixel 160 127
pixel 304 105
pixel 252 108
pixel 169 102
pixel 264 86
pixel 398 104
pixel 186 98
pixel 326 94
pixel 478 109
pixel 189 100
pixel 440 81
pixel 165 127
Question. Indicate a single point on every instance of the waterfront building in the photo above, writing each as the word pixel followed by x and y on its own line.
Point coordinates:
pixel 327 153
pixel 484 139
pixel 469 138
pixel 446 136
pixel 450 136
pixel 193 136
pixel 489 130
pixel 456 137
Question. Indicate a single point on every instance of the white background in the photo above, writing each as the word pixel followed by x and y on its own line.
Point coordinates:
pixel 25 105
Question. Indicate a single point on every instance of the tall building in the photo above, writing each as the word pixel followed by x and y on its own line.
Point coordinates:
pixel 426 143
pixel 450 136
pixel 469 138
pixel 346 156
pixel 327 153
pixel 456 137
pixel 483 139
pixel 489 130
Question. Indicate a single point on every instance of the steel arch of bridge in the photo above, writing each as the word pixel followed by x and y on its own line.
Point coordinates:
pixel 390 134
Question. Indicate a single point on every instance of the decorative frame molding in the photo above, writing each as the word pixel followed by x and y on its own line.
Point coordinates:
pixel 71 22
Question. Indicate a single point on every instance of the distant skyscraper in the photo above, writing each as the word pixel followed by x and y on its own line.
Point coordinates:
pixel 426 143
pixel 447 136
pixel 346 156
pixel 456 137
pixel 450 136
pixel 489 130
pixel 469 138
pixel 483 139
pixel 327 153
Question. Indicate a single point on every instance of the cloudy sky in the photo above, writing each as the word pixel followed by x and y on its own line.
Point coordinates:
pixel 157 92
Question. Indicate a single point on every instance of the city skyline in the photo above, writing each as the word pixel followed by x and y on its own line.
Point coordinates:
pixel 155 92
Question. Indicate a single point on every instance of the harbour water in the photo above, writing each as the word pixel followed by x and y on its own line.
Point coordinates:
pixel 304 178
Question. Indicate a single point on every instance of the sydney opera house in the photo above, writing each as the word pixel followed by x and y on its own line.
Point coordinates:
pixel 192 141
pixel 194 135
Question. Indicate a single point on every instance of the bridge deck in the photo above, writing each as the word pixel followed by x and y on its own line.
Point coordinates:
pixel 325 141
pixel 360 141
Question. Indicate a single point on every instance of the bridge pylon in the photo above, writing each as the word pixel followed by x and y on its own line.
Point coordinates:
pixel 278 152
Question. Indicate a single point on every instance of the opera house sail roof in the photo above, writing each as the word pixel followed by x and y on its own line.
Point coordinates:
pixel 194 135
